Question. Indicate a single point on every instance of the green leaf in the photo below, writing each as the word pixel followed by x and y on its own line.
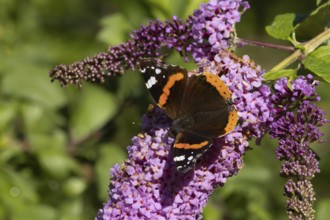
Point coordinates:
pixel 323 209
pixel 115 29
pixel 212 212
pixel 74 209
pixel 34 212
pixel 319 62
pixel 16 189
pixel 274 75
pixel 74 186
pixel 56 164
pixel 110 154
pixel 315 23
pixel 38 119
pixel 7 112
pixel 282 26
pixel 26 81
pixel 93 109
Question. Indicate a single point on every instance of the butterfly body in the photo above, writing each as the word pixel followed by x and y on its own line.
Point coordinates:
pixel 200 107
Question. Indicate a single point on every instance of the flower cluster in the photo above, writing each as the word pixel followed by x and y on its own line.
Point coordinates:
pixel 144 43
pixel 213 27
pixel 295 130
pixel 206 32
pixel 148 186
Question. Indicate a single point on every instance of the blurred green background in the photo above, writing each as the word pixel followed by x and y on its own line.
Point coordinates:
pixel 57 144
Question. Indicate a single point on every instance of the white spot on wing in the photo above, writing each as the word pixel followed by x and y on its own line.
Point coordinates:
pixel 179 158
pixel 190 158
pixel 151 81
pixel 157 71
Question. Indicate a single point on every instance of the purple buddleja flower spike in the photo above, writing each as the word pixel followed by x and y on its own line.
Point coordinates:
pixel 148 185
pixel 296 127
pixel 180 36
pixel 144 42
pixel 202 35
pixel 213 27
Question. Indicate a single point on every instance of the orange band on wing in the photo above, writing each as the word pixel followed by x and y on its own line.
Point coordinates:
pixel 232 121
pixel 166 90
pixel 225 93
pixel 191 146
pixel 218 84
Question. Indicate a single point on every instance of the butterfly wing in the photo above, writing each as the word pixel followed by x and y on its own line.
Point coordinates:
pixel 163 81
pixel 187 149
pixel 199 106
pixel 204 113
pixel 204 107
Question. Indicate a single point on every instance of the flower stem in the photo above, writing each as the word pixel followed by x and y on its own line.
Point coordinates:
pixel 308 47
pixel 244 42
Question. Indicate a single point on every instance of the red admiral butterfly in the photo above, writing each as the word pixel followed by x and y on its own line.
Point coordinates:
pixel 200 107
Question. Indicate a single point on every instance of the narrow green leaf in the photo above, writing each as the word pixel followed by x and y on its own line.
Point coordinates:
pixel 273 75
pixel 319 62
pixel 315 23
pixel 282 26
pixel 93 109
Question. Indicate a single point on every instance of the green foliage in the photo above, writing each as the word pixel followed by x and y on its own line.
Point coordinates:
pixel 115 29
pixel 314 23
pixel 282 26
pixel 310 28
pixel 91 110
pixel 323 209
pixel 55 144
pixel 303 26
pixel 273 75
pixel 319 62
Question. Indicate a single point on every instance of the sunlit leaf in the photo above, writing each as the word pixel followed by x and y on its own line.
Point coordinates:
pixel 273 75
pixel 282 26
pixel 319 62
pixel 74 186
pixel 93 108
pixel 31 83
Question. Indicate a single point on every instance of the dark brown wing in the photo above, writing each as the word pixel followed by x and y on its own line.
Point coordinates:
pixel 202 108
